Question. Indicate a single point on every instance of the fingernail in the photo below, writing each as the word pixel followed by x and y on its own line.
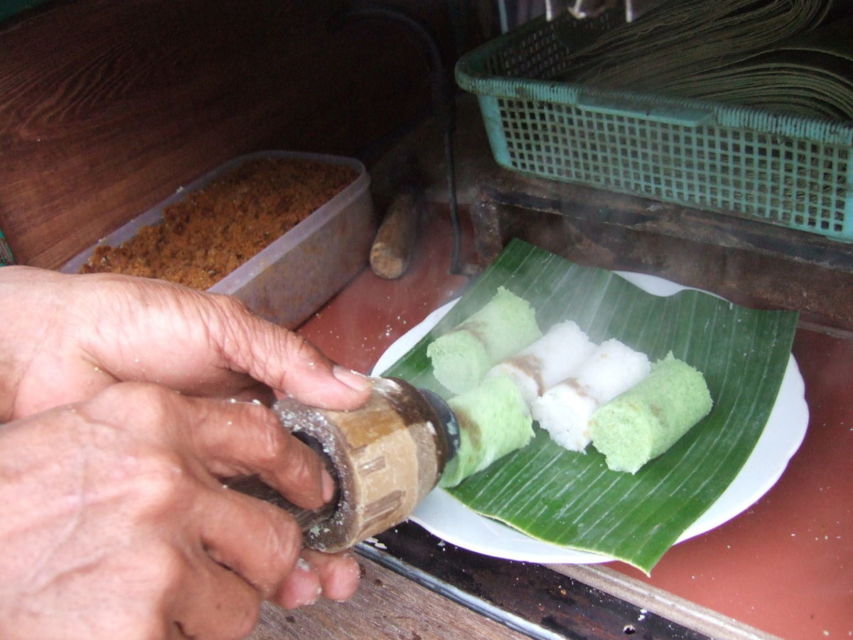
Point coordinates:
pixel 328 485
pixel 303 565
pixel 350 378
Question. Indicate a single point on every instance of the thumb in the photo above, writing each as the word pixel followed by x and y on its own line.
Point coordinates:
pixel 310 377
pixel 287 362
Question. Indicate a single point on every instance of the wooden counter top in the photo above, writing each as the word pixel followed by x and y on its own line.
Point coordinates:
pixel 387 605
pixel 781 568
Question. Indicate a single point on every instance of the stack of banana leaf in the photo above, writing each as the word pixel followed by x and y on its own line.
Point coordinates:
pixel 794 56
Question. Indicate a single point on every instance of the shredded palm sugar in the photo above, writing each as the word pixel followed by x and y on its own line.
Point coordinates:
pixel 214 230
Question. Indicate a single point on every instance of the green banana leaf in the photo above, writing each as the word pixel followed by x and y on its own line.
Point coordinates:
pixel 572 499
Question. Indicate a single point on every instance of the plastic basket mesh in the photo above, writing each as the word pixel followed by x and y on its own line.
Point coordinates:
pixel 769 167
pixel 792 181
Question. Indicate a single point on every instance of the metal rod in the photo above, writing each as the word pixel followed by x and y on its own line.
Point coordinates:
pixel 481 606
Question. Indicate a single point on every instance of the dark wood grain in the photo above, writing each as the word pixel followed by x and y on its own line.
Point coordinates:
pixel 386 606
pixel 108 107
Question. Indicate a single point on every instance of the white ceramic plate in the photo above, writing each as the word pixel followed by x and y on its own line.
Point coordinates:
pixel 444 516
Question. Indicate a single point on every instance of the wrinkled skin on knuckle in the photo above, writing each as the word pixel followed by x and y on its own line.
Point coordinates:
pixel 283 540
pixel 301 465
pixel 273 443
pixel 118 303
pixel 296 473
pixel 300 350
pixel 282 548
pixel 163 485
pixel 229 323
pixel 279 543
pixel 131 325
pixel 268 349
pixel 285 456
pixel 232 307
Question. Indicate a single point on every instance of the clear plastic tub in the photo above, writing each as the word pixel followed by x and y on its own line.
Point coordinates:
pixel 297 273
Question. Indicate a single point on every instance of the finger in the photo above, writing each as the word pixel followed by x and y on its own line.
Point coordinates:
pixel 334 576
pixel 145 330
pixel 227 438
pixel 213 602
pixel 339 573
pixel 301 587
pixel 257 540
pixel 284 360
pixel 235 438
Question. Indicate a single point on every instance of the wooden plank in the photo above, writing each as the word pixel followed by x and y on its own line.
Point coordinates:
pixel 386 606
pixel 108 107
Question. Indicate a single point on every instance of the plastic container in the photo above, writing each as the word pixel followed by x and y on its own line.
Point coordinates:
pixel 786 170
pixel 297 273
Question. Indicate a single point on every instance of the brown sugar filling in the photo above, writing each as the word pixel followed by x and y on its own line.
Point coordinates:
pixel 214 230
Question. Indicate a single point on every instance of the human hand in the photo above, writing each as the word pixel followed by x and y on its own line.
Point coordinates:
pixel 70 336
pixel 115 523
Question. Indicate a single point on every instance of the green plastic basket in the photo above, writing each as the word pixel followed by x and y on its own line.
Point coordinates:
pixel 786 170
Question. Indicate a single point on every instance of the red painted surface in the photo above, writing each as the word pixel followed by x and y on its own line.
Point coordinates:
pixel 364 319
pixel 785 566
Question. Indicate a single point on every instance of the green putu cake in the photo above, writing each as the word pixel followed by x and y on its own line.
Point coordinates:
pixel 493 421
pixel 649 418
pixel 504 325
